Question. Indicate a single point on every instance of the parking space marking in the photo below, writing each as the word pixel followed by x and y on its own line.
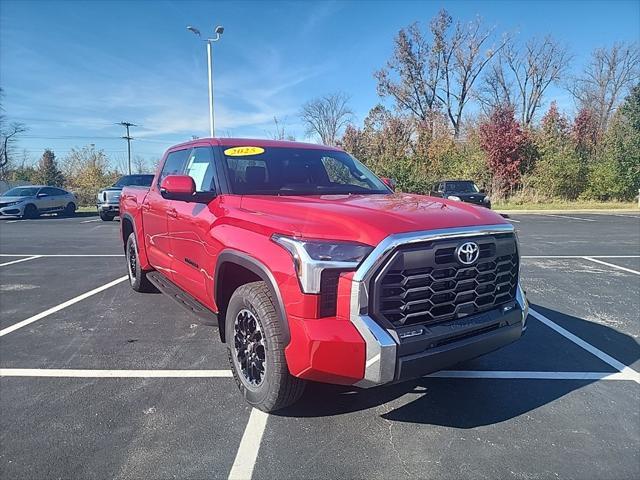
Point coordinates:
pixel 87 221
pixel 621 367
pixel 479 374
pixel 512 220
pixel 57 308
pixel 566 216
pixel 592 259
pixel 621 215
pixel 247 455
pixel 580 256
pixel 70 373
pixel 20 260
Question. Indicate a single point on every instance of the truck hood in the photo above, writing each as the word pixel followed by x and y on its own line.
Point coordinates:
pixel 363 218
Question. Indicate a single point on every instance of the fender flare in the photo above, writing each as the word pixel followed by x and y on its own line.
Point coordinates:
pixel 260 269
pixel 130 218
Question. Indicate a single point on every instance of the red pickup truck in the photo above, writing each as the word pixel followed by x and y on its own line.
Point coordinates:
pixel 313 269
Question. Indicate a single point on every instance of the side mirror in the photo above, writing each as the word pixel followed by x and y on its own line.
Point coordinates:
pixel 482 190
pixel 389 182
pixel 178 187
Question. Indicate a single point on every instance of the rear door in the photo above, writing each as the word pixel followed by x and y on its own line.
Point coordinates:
pixel 154 215
pixel 195 250
pixel 46 199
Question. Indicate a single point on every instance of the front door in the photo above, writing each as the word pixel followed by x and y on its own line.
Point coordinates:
pixel 195 250
pixel 154 215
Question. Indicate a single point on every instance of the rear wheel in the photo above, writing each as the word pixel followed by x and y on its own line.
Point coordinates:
pixel 69 210
pixel 137 276
pixel 255 342
pixel 30 211
pixel 106 217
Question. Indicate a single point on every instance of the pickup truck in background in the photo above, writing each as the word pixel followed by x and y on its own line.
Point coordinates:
pixel 313 269
pixel 461 191
pixel 108 203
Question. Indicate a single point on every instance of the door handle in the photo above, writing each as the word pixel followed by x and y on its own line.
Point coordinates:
pixel 172 213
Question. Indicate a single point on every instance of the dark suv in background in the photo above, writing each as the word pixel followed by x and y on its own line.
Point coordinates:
pixel 461 191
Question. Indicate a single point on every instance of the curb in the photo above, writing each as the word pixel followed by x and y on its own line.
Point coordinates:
pixel 559 212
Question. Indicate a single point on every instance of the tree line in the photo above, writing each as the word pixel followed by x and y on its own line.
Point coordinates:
pixel 466 102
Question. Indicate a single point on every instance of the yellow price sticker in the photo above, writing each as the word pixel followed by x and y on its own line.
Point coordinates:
pixel 243 151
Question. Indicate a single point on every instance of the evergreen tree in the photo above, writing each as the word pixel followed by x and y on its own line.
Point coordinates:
pixel 47 172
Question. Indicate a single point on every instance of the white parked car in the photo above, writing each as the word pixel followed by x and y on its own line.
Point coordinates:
pixel 32 200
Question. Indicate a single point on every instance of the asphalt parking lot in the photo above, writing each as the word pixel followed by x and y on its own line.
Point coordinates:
pixel 97 381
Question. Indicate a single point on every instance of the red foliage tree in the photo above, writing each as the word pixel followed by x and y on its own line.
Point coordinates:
pixel 504 142
pixel 585 132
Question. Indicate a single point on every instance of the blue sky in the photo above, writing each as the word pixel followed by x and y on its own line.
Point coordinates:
pixel 71 70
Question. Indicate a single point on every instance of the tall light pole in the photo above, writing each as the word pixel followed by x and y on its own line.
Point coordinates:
pixel 219 30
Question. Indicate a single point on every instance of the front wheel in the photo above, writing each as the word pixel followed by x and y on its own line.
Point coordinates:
pixel 69 210
pixel 255 343
pixel 30 211
pixel 137 276
pixel 105 217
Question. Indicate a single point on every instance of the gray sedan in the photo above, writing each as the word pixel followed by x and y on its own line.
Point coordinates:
pixel 30 201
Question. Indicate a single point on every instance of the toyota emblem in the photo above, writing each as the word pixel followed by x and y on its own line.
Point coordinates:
pixel 468 253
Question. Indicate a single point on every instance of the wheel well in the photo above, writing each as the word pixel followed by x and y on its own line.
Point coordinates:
pixel 230 276
pixel 127 229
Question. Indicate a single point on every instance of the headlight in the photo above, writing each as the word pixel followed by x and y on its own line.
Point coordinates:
pixel 10 204
pixel 453 197
pixel 311 257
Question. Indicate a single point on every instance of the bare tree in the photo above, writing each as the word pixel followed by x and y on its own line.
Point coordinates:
pixel 327 116
pixel 140 164
pixel 280 132
pixel 463 55
pixel 606 80
pixel 8 136
pixel 522 73
pixel 411 75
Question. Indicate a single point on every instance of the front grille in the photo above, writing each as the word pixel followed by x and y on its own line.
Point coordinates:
pixel 425 284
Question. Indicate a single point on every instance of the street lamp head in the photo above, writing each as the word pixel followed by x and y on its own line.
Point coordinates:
pixel 194 30
pixel 219 30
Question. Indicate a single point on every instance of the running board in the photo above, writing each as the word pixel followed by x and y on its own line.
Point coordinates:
pixel 182 298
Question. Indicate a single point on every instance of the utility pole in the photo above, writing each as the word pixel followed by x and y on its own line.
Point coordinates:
pixel 128 138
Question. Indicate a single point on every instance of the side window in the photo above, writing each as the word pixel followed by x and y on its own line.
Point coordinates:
pixel 59 191
pixel 339 173
pixel 200 167
pixel 174 164
pixel 48 191
pixel 441 187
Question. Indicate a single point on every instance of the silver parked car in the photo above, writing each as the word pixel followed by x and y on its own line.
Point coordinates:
pixel 32 200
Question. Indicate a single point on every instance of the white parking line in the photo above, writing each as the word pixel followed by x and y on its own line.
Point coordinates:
pixel 511 375
pixel 512 220
pixel 63 255
pixel 624 269
pixel 57 308
pixel 94 220
pixel 566 216
pixel 20 260
pixel 580 256
pixel 70 373
pixel 245 460
pixel 621 367
pixel 621 215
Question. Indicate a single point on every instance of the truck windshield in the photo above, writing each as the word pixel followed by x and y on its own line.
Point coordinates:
pixel 461 187
pixel 134 180
pixel 298 171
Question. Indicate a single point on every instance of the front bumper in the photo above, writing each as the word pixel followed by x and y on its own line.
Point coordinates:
pixel 108 207
pixel 12 210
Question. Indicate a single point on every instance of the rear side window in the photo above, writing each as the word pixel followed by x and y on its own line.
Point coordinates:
pixel 50 191
pixel 174 164
pixel 200 167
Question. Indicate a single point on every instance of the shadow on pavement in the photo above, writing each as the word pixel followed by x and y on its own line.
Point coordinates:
pixel 465 403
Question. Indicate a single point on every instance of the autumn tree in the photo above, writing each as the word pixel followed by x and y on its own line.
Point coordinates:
pixel 521 75
pixel 9 134
pixel 47 172
pixel 327 116
pixel 608 77
pixel 504 142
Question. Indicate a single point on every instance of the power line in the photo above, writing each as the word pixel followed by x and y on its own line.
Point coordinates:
pixel 128 138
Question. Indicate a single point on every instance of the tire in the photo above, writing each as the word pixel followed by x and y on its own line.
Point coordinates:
pixel 106 217
pixel 69 210
pixel 137 276
pixel 30 211
pixel 272 386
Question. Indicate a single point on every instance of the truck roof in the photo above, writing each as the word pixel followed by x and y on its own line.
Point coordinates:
pixel 253 142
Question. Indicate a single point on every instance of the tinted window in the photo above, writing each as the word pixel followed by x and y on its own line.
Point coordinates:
pixel 174 164
pixel 462 187
pixel 300 171
pixel 200 167
pixel 21 192
pixel 49 191
pixel 134 180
